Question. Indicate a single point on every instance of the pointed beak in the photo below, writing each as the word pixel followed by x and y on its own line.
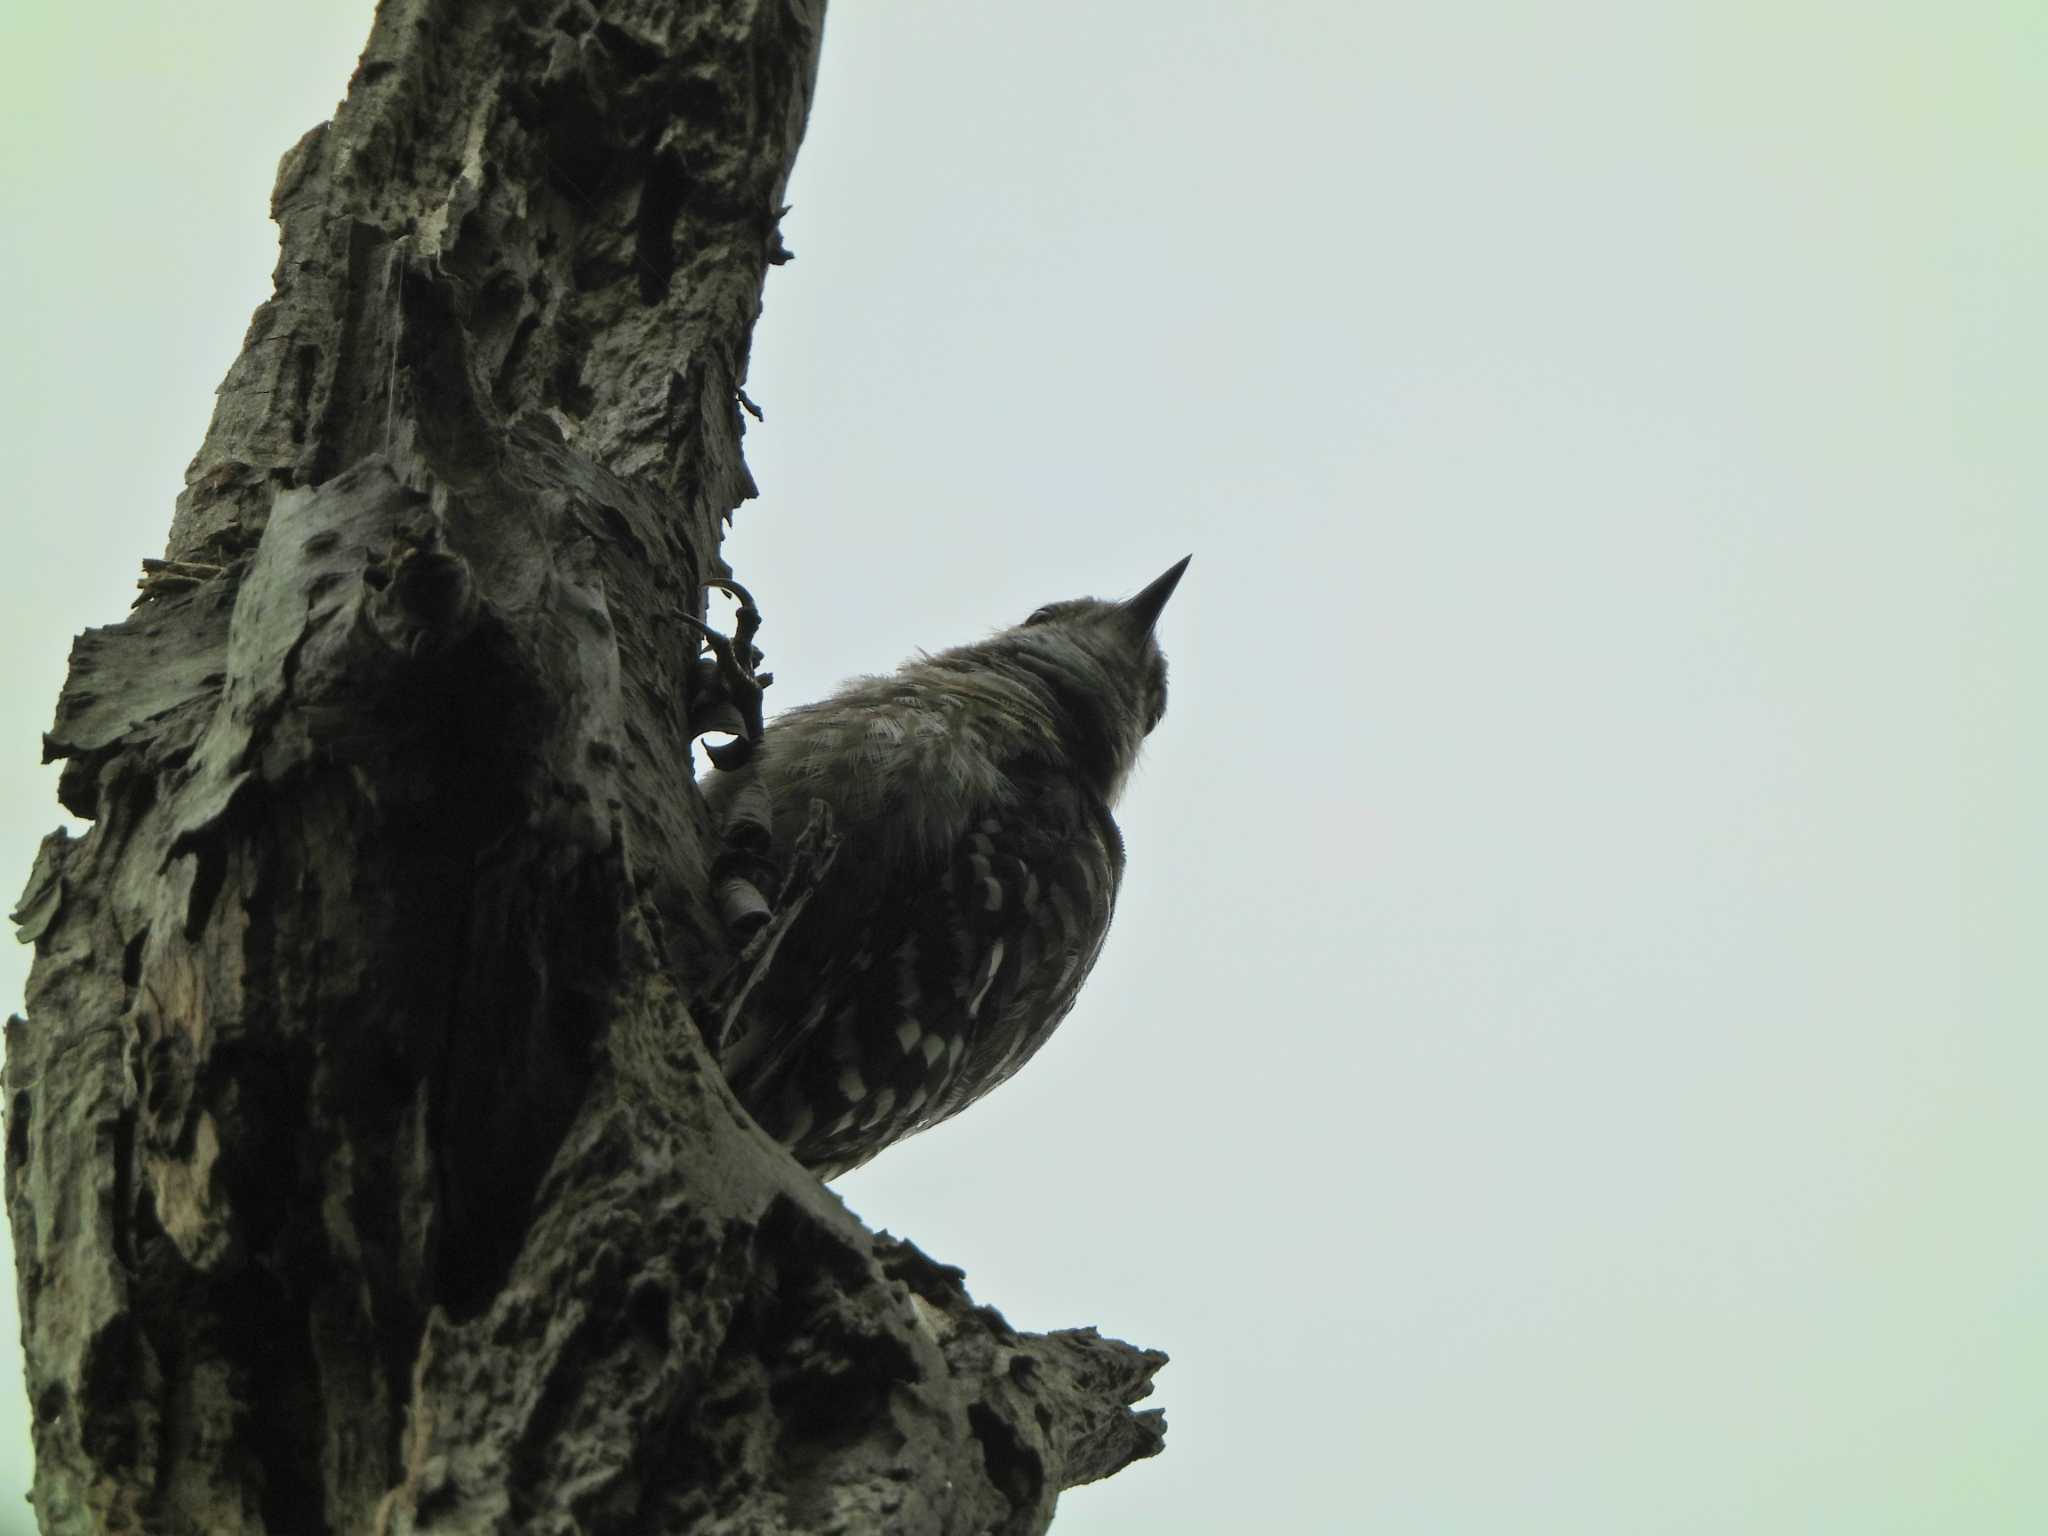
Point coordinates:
pixel 1142 612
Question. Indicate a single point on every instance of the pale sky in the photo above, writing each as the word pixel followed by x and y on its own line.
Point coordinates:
pixel 1567 1062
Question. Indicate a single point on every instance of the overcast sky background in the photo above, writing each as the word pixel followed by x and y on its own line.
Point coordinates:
pixel 1568 1059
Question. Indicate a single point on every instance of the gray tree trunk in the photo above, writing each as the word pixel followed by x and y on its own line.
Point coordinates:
pixel 367 1170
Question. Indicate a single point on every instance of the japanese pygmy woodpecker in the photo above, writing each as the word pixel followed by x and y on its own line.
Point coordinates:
pixel 974 881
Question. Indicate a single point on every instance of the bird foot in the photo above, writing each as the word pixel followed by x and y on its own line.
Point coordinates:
pixel 725 690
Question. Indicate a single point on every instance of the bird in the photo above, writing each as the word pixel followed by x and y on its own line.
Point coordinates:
pixel 974 880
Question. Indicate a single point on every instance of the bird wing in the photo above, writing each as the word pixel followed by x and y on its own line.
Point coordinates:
pixel 899 998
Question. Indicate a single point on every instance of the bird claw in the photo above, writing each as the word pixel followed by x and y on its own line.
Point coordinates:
pixel 726 691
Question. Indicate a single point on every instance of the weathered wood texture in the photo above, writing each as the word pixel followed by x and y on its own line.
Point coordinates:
pixel 366 1168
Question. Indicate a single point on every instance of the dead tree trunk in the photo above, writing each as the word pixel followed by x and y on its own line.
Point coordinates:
pixel 367 1170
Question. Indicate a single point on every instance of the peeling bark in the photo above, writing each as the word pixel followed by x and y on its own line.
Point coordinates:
pixel 366 1165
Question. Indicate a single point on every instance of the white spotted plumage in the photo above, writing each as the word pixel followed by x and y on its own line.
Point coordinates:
pixel 974 884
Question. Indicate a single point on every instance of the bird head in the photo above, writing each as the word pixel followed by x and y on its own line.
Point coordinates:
pixel 1100 665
